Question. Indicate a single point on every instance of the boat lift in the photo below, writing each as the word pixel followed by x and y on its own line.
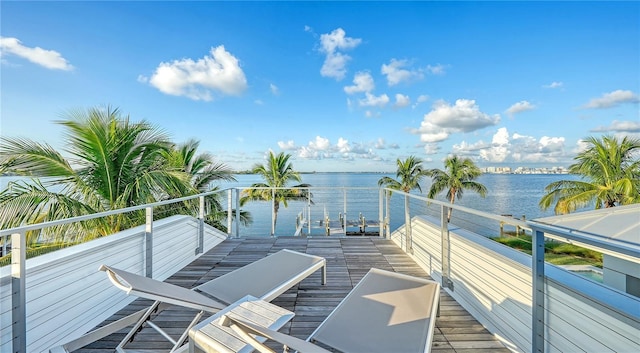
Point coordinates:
pixel 340 226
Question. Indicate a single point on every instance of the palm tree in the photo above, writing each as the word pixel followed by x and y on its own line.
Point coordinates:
pixel 459 174
pixel 409 174
pixel 277 173
pixel 113 163
pixel 610 173
pixel 203 170
pixel 202 167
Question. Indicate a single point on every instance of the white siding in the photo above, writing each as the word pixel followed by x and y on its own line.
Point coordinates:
pixel 493 282
pixel 66 294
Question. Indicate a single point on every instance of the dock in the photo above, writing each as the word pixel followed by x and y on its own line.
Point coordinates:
pixel 337 227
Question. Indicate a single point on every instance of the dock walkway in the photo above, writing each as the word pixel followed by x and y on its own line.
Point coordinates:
pixel 348 260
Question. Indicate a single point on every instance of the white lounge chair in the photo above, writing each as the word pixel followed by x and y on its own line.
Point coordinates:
pixel 264 279
pixel 385 312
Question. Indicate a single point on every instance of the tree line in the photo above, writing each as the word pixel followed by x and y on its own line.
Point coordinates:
pixel 113 163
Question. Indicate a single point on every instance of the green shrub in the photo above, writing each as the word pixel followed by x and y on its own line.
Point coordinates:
pixel 556 253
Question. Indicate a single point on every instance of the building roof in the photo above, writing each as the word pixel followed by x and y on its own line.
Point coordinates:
pixel 620 223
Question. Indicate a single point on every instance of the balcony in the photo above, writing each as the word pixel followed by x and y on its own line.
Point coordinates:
pixel 488 297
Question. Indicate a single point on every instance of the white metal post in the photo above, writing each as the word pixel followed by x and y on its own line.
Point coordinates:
pixel 445 248
pixel 407 225
pixel 200 248
pixel 237 212
pixel 18 291
pixel 4 245
pixel 309 211
pixel 229 211
pixel 344 218
pixel 148 235
pixel 537 274
pixel 387 223
pixel 381 213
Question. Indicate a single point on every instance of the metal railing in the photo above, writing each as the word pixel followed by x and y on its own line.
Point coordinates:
pixel 442 225
pixel 390 213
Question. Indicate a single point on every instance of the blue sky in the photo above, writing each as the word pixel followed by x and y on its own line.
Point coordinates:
pixel 342 86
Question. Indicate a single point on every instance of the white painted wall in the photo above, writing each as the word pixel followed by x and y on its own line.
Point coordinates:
pixel 66 294
pixel 616 270
pixel 493 283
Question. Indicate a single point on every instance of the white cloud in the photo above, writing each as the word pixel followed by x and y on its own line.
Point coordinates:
pixel 431 148
pixel 438 69
pixel 371 100
pixel 363 82
pixel 516 148
pixel 258 102
pixel 343 145
pixel 545 150
pixel 445 119
pixel 274 89
pixel 613 99
pixel 553 84
pixel 619 126
pixel 287 146
pixel 396 72
pixel 402 101
pixel 50 59
pixel 219 71
pixel 520 107
pixel 320 144
pixel 322 148
pixel 499 149
pixel 421 99
pixel 335 62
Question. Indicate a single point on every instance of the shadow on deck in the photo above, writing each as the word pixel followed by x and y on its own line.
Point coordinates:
pixel 348 260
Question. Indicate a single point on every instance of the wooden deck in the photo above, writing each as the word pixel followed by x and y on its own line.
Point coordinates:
pixel 348 260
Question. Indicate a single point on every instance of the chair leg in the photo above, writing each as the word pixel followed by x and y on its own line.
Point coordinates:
pixel 185 334
pixel 138 326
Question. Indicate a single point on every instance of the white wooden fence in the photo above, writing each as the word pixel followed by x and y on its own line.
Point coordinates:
pixel 493 282
pixel 66 295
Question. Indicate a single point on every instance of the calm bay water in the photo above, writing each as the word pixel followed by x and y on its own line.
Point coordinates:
pixel 513 194
pixel 508 194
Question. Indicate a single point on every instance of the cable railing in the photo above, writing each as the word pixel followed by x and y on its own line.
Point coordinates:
pixel 516 296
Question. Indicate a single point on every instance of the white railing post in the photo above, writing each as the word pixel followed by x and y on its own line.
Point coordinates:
pixel 407 225
pixel 4 245
pixel 387 223
pixel 309 211
pixel 229 211
pixel 381 213
pixel 446 248
pixel 18 291
pixel 200 248
pixel 537 305
pixel 344 218
pixel 237 213
pixel 148 235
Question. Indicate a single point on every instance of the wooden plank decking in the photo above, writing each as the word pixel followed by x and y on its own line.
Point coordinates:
pixel 348 260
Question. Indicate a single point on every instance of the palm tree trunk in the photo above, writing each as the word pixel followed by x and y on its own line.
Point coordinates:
pixel 276 207
pixel 453 198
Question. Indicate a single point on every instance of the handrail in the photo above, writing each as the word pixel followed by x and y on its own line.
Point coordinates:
pixel 607 245
pixel 9 231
